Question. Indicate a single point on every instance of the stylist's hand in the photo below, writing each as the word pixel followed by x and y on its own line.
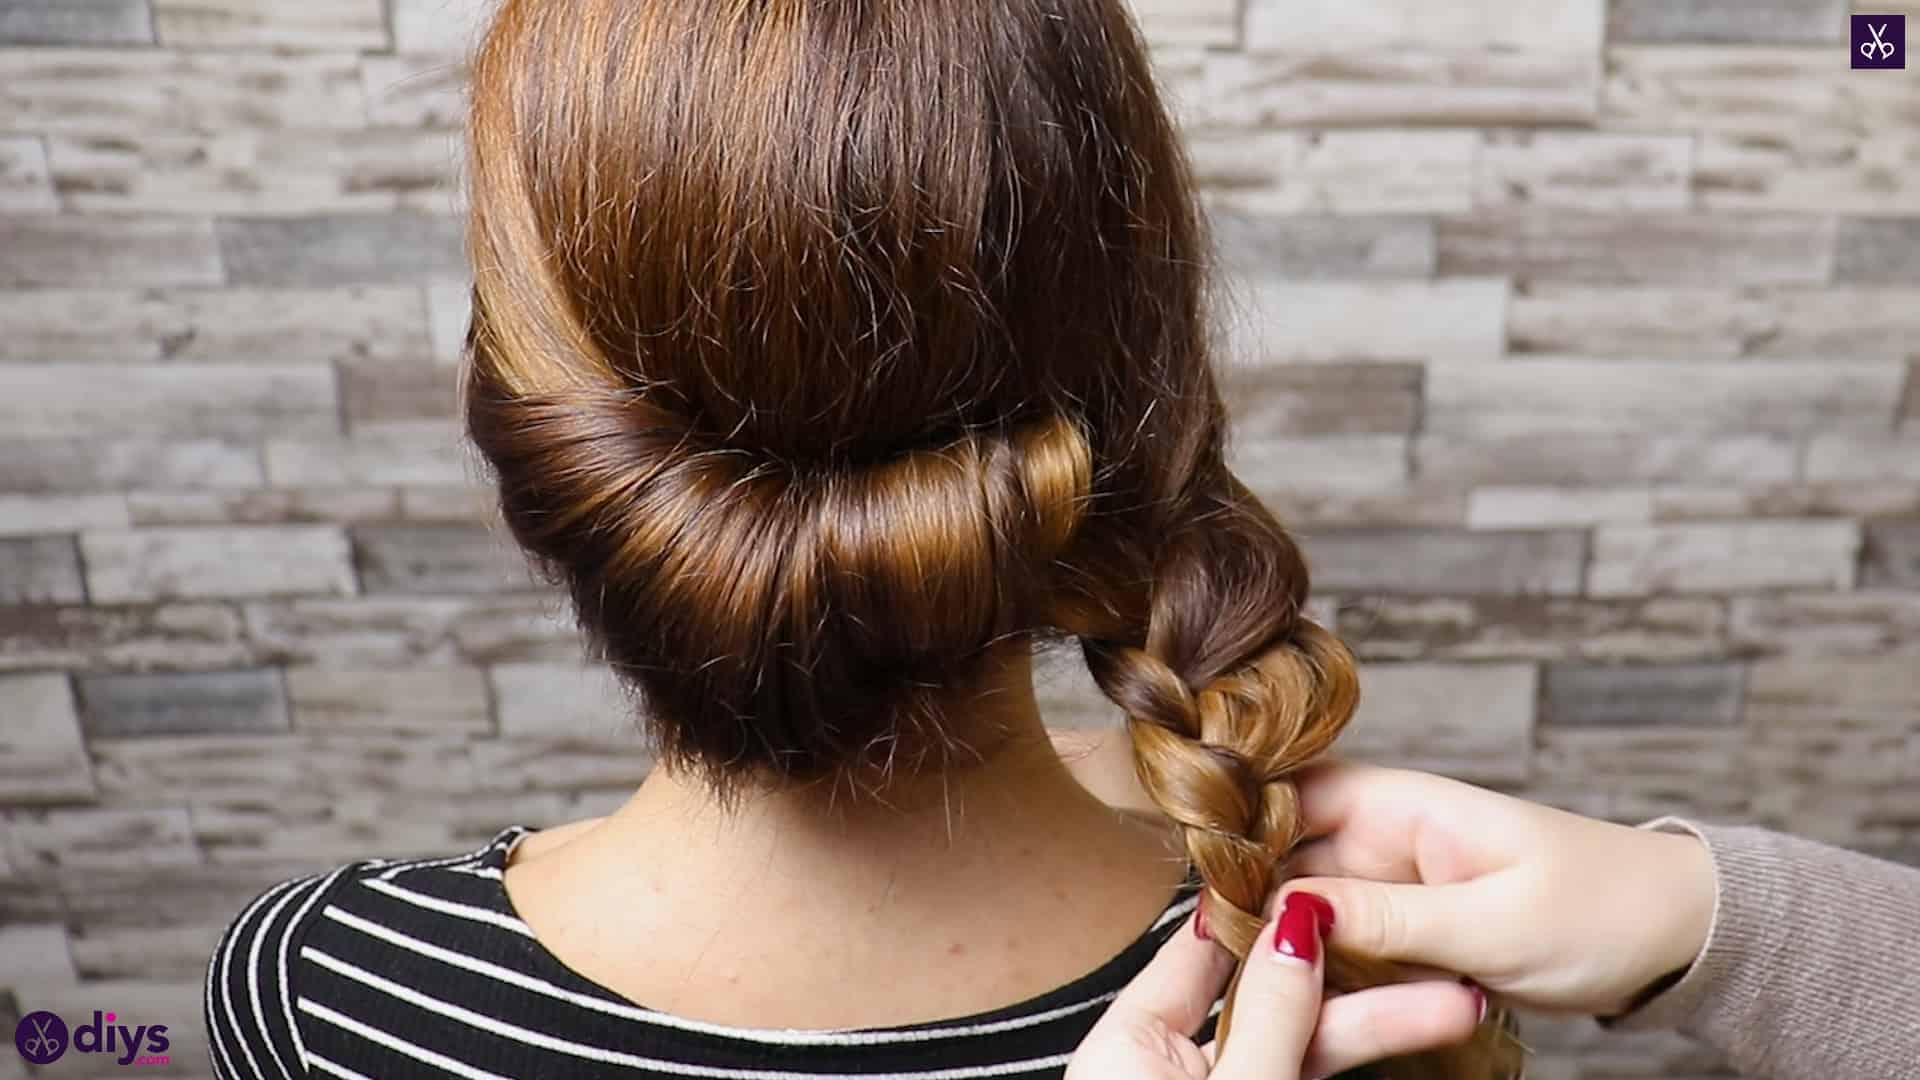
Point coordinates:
pixel 1547 908
pixel 1146 1033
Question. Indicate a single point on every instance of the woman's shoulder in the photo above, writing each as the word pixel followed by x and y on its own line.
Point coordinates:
pixel 253 975
pixel 268 908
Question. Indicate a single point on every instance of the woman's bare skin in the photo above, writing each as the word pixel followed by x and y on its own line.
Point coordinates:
pixel 973 891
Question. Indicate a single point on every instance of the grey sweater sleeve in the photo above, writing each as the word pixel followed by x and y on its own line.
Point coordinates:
pixel 1811 970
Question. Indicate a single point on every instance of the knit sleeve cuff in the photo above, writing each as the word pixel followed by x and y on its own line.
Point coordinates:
pixel 1715 983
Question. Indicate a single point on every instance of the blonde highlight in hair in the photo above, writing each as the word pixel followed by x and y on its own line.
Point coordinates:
pixel 822 348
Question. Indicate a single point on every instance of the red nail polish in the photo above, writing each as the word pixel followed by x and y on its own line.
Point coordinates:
pixel 1322 910
pixel 1298 935
pixel 1479 997
pixel 1200 919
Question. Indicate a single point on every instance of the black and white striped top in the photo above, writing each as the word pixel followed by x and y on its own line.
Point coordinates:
pixel 420 967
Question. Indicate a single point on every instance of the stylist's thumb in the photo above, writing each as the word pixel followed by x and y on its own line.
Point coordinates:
pixel 1277 1002
pixel 1441 926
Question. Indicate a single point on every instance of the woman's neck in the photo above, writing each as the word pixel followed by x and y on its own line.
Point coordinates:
pixel 1007 877
pixel 942 821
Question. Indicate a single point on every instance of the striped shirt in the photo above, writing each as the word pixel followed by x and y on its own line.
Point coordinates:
pixel 421 967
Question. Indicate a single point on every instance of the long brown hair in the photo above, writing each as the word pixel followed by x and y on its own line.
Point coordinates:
pixel 823 347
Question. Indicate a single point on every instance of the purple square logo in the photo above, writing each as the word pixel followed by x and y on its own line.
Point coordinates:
pixel 1880 41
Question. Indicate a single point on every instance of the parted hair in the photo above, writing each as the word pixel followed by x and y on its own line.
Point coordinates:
pixel 821 348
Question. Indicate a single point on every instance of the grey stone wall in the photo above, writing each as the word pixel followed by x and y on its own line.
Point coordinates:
pixel 1577 338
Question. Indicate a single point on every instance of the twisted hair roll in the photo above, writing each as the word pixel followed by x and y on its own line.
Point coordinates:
pixel 823 348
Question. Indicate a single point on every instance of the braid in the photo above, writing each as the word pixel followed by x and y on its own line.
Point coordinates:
pixel 1217 760
pixel 1228 690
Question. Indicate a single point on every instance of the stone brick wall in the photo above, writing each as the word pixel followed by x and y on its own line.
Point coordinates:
pixel 1578 338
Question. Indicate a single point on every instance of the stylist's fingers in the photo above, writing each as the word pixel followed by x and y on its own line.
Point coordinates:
pixel 1386 1021
pixel 1345 856
pixel 1278 1000
pixel 1179 985
pixel 1333 792
pixel 1146 1034
pixel 1441 926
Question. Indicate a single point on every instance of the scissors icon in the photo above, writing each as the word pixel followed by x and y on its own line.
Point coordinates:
pixel 1878 47
pixel 43 1047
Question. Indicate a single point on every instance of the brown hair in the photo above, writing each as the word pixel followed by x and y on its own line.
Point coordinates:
pixel 821 349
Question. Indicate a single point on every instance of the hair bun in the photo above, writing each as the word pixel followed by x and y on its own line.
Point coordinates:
pixel 796 609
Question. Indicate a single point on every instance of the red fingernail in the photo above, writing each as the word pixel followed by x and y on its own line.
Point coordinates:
pixel 1298 935
pixel 1479 997
pixel 1200 919
pixel 1321 910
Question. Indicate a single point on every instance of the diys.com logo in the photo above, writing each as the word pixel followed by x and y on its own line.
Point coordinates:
pixel 43 1038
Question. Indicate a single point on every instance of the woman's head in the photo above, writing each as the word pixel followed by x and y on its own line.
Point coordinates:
pixel 822 348
pixel 821 345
